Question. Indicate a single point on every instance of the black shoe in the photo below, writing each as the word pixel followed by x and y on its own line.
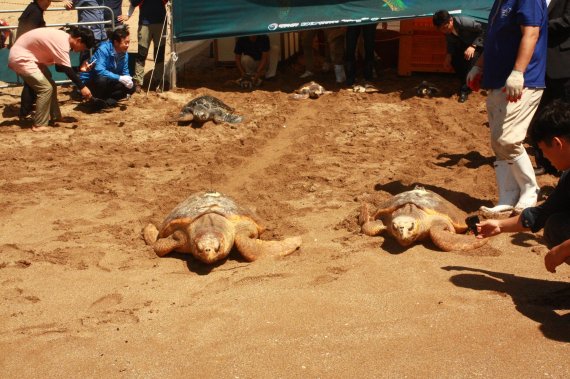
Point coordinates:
pixel 110 102
pixel 463 97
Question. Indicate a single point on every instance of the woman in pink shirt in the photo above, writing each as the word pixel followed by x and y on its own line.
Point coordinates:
pixel 37 49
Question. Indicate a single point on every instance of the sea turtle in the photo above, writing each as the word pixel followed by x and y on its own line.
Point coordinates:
pixel 366 88
pixel 207 225
pixel 417 215
pixel 206 108
pixel 311 90
pixel 426 89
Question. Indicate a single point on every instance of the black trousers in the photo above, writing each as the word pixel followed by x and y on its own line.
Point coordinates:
pixel 369 34
pixel 105 88
pixel 463 66
pixel 27 100
pixel 557 229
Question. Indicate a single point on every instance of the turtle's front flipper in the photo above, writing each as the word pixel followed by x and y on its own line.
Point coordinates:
pixel 299 96
pixel 233 118
pixel 253 248
pixel 369 226
pixel 166 245
pixel 150 234
pixel 444 237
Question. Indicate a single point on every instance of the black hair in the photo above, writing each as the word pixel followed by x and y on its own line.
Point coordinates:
pixel 85 34
pixel 441 17
pixel 551 121
pixel 119 33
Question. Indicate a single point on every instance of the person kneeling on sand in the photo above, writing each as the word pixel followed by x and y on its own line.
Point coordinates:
pixel 110 80
pixel 551 131
pixel 37 49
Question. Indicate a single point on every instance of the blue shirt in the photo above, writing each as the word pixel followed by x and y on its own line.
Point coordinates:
pixel 503 40
pixel 535 218
pixel 109 63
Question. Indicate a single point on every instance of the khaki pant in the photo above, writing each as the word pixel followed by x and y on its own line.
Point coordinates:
pixel 46 102
pixel 509 121
pixel 335 40
pixel 146 35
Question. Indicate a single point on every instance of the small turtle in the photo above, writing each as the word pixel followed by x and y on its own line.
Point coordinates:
pixel 207 225
pixel 206 108
pixel 417 215
pixel 311 90
pixel 366 88
pixel 426 89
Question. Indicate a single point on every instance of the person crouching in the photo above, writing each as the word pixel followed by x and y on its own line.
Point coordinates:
pixel 110 80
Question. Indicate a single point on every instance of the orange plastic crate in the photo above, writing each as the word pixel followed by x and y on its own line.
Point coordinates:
pixel 422 47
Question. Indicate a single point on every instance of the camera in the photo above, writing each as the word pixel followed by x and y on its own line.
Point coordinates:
pixel 472 222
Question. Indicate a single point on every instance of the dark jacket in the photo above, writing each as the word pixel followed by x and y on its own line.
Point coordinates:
pixel 151 11
pixel 31 18
pixel 469 32
pixel 558 53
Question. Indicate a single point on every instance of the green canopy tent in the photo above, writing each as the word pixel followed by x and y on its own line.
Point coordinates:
pixel 204 19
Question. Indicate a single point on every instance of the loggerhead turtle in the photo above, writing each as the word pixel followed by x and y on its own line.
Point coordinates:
pixel 206 108
pixel 426 89
pixel 207 225
pixel 308 90
pixel 417 215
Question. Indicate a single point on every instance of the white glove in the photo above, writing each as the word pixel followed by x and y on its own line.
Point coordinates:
pixel 514 85
pixel 126 80
pixel 473 79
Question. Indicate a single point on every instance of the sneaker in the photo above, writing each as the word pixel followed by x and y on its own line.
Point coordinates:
pixel 138 88
pixel 463 97
pixel 306 74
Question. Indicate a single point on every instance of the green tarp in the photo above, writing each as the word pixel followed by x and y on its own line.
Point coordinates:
pixel 204 19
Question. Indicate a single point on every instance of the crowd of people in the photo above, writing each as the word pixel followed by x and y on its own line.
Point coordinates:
pixel 521 56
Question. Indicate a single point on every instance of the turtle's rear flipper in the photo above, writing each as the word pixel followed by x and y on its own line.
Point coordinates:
pixel 252 248
pixel 233 118
pixel 444 237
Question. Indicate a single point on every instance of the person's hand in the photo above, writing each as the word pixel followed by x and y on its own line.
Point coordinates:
pixel 514 86
pixel 474 78
pixel 86 93
pixel 126 80
pixel 86 66
pixel 555 257
pixel 447 62
pixel 123 18
pixel 488 228
pixel 68 4
pixel 469 52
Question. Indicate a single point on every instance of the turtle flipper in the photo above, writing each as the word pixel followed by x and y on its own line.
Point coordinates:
pixel 299 96
pixel 171 243
pixel 444 237
pixel 150 234
pixel 369 226
pixel 233 118
pixel 253 248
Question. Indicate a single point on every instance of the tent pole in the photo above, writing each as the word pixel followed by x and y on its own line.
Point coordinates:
pixel 170 47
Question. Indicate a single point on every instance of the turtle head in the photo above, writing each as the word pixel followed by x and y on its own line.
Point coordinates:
pixel 211 238
pixel 405 229
pixel 201 113
pixel 209 248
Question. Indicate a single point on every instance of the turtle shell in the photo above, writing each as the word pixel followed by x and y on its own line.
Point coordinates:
pixel 201 203
pixel 430 202
pixel 208 102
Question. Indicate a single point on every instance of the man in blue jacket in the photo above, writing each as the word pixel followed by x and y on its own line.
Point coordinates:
pixel 110 80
